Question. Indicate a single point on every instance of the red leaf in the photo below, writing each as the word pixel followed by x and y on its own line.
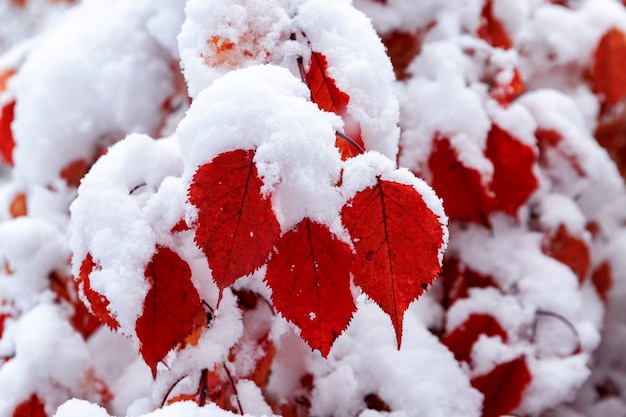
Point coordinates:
pixel 491 29
pixel 3 318
pixel 328 97
pixel 66 288
pixel 465 197
pixel 402 48
pixel 236 227
pixel 602 279
pixel 30 408
pixel 569 250
pixel 549 140
pixel 397 240
pixel 73 172
pixel 461 340
pixel 310 279
pixel 503 387
pixel 506 93
pixel 170 307
pixel 513 177
pixel 7 143
pixel 457 280
pixel 181 226
pixel 607 75
pixel 98 302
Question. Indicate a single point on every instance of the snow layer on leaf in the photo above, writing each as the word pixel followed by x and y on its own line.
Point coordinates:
pixel 555 381
pixel 65 360
pixel 544 289
pixel 23 21
pixel 600 193
pixel 115 220
pixel 438 103
pixel 221 36
pixel 419 379
pixel 359 65
pixel 512 15
pixel 403 14
pixel 559 36
pixel 31 249
pixel 558 209
pixel 110 80
pixel 264 107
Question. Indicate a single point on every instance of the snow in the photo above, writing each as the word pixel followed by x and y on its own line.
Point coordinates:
pixel 365 360
pixel 101 84
pixel 106 83
pixel 118 193
pixel 218 37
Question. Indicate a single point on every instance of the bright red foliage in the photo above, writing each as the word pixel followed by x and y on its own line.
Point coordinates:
pixel 503 387
pixel 236 227
pixel 514 179
pixel 397 239
pixel 568 249
pixel 30 408
pixel 491 29
pixel 310 279
pixel 506 93
pixel 607 75
pixel 98 302
pixel 7 143
pixel 458 279
pixel 461 340
pixel 170 306
pixel 465 197
pixel 328 97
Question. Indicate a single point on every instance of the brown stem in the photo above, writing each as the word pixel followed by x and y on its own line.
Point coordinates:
pixel 232 383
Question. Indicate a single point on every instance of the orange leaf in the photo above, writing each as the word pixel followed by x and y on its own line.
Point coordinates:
pixel 7 143
pixel 98 302
pixel 169 309
pixel 569 250
pixel 236 227
pixel 328 97
pixel 18 206
pixel 461 339
pixel 513 177
pixel 5 76
pixel 503 387
pixel 397 240
pixel 30 408
pixel 310 279
pixel 607 74
pixel 465 197
pixel 491 29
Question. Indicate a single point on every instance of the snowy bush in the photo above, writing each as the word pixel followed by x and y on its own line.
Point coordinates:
pixel 312 208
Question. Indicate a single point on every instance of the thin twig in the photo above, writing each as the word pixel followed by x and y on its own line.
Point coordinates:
pixel 232 382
